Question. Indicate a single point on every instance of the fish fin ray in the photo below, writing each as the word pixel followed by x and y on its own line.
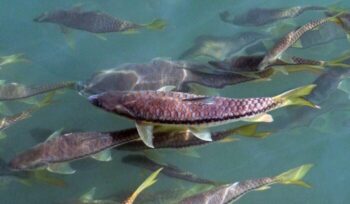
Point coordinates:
pixel 145 133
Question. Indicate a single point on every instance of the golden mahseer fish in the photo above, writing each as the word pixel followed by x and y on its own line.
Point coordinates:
pixel 290 38
pixel 263 16
pixel 232 192
pixel 195 112
pixel 94 22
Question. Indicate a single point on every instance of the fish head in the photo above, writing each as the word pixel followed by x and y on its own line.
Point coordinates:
pixel 28 160
pixel 109 101
pixel 50 16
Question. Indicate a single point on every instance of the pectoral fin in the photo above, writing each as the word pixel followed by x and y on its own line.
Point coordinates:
pixel 100 36
pixel 202 134
pixel 266 118
pixel 297 44
pixel 61 168
pixel 103 156
pixel 146 133
pixel 55 134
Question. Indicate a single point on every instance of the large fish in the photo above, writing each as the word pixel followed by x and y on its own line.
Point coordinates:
pixel 94 22
pixel 232 192
pixel 169 170
pixel 195 112
pixel 55 153
pixel 220 47
pixel 263 16
pixel 289 39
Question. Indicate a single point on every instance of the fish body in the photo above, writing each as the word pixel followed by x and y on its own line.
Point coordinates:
pixel 182 108
pixel 263 16
pixel 90 21
pixel 69 147
pixel 10 120
pixel 196 112
pixel 94 22
pixel 169 170
pixel 230 193
pixel 288 40
pixel 217 47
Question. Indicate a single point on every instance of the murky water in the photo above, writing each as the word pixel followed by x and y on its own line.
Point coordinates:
pixel 300 135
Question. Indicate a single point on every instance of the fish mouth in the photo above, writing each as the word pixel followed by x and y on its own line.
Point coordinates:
pixel 93 99
pixel 40 18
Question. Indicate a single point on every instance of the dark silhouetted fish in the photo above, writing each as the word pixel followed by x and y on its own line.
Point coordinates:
pixel 94 22
pixel 169 170
pixel 220 48
pixel 263 16
pixel 13 91
pixel 289 39
pixel 195 112
pixel 232 192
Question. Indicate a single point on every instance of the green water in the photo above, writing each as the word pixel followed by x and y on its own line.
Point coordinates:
pixel 324 142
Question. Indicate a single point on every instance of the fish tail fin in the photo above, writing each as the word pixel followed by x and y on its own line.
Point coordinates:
pixel 147 183
pixel 296 97
pixel 336 18
pixel 339 62
pixel 294 176
pixel 157 24
pixel 44 177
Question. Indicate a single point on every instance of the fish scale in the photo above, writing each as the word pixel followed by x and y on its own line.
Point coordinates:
pixel 177 108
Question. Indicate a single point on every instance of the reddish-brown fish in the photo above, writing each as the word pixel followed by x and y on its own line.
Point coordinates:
pixel 195 112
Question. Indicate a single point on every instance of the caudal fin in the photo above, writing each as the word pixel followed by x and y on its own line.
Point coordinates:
pixel 147 183
pixel 294 176
pixel 296 97
pixel 157 24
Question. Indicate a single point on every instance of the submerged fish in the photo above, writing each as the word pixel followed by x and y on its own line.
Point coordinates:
pixel 55 153
pixel 157 74
pixel 232 192
pixel 263 16
pixel 169 170
pixel 289 39
pixel 94 22
pixel 195 112
pixel 13 91
pixel 222 47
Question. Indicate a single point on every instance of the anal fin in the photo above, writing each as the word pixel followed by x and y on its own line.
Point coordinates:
pixel 265 117
pixel 61 168
pixel 145 133
pixel 103 156
pixel 202 134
